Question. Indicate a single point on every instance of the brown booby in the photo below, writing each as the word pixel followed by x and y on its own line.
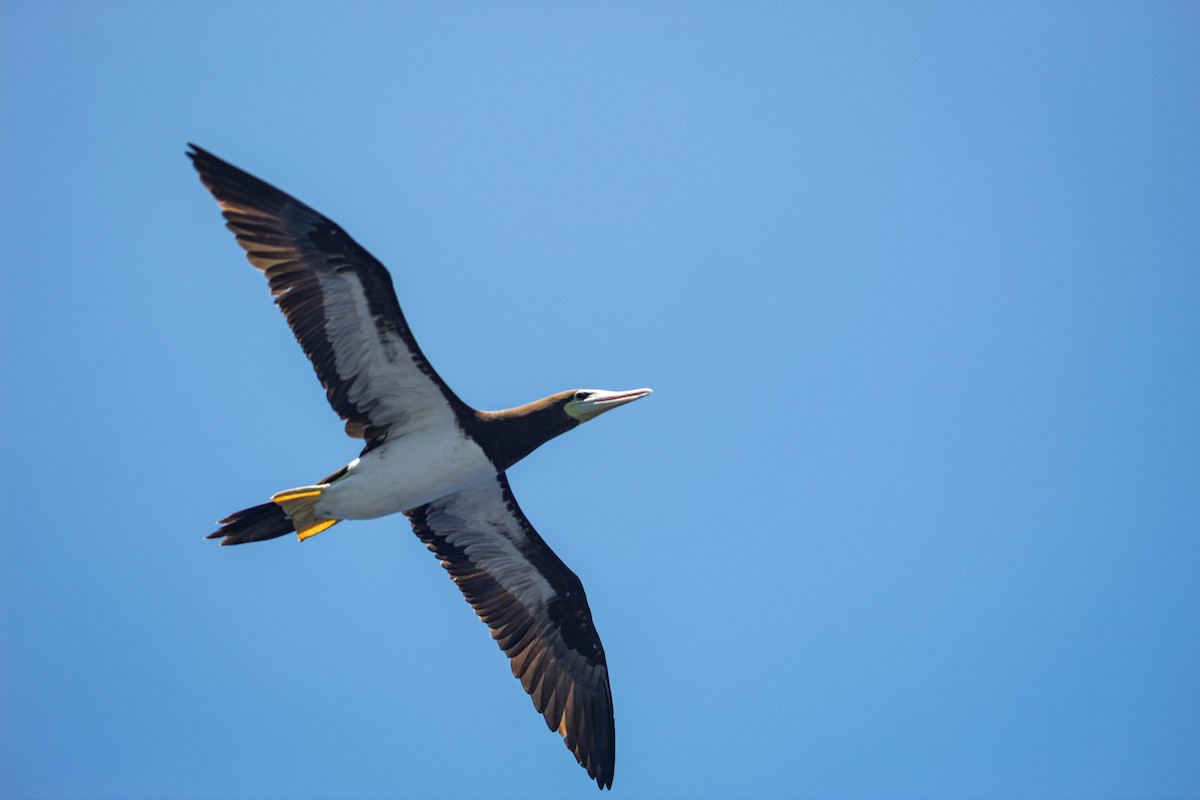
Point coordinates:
pixel 428 454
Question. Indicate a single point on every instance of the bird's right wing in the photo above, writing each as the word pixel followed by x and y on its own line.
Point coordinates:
pixel 536 609
pixel 339 302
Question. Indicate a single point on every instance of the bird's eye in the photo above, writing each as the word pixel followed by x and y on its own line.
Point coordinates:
pixel 582 395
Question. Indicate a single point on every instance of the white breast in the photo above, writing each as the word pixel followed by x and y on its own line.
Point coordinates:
pixel 405 473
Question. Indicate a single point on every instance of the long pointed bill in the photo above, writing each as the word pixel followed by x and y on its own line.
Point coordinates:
pixel 598 401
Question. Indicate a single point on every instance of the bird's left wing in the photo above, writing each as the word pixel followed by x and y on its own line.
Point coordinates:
pixel 536 609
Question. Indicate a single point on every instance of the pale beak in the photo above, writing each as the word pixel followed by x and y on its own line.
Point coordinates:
pixel 599 402
pixel 606 400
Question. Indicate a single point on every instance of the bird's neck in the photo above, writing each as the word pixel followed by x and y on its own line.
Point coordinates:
pixel 508 436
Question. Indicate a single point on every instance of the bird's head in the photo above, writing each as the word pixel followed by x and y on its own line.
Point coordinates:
pixel 584 404
pixel 519 431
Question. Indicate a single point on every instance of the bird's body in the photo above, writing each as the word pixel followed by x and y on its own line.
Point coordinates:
pixel 406 472
pixel 427 454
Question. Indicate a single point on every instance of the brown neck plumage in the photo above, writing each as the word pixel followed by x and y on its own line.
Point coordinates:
pixel 510 435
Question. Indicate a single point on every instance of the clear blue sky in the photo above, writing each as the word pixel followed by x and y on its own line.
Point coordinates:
pixel 914 511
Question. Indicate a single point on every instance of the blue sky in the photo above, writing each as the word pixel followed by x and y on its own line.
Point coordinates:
pixel 915 508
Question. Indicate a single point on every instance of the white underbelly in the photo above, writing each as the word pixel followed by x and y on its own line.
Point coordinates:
pixel 405 473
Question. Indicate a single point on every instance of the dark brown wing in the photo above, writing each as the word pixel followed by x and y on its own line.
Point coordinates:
pixel 536 609
pixel 340 303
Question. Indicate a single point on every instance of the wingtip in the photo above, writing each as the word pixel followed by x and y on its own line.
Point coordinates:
pixel 601 773
pixel 200 159
pixel 203 160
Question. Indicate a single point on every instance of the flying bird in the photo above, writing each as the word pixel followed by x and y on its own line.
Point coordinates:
pixel 427 454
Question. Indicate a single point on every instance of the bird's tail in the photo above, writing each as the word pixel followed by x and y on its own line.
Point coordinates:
pixel 253 525
pixel 288 511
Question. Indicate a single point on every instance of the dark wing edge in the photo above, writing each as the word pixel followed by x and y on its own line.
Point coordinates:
pixel 305 257
pixel 536 609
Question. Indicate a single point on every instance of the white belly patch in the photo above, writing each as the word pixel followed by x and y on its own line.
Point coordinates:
pixel 405 473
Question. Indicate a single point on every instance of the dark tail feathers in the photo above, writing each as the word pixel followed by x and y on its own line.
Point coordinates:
pixel 253 525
